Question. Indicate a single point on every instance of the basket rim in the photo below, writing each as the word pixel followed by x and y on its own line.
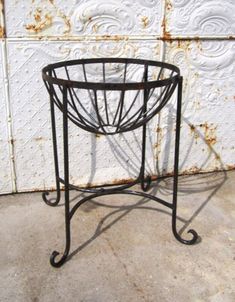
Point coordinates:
pixel 47 74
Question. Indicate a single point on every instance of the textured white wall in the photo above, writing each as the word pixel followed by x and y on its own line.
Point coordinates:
pixel 196 35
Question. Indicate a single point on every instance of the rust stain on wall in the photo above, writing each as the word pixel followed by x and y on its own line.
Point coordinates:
pixel 166 36
pixel 144 21
pixel 168 6
pixel 198 44
pixel 2 28
pixel 98 135
pixel 194 131
pixel 122 181
pixel 2 32
pixel 193 170
pixel 39 138
pixel 184 44
pixel 111 38
pixel 63 16
pixel 95 28
pixel 12 141
pixel 209 133
pixel 43 21
pixel 157 146
pixel 66 21
pixel 37 15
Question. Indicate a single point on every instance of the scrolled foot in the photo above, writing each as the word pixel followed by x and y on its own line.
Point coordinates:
pixel 185 241
pixel 50 202
pixel 145 184
pixel 60 262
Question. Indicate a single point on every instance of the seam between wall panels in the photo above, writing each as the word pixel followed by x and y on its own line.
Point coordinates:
pixel 162 59
pixel 121 37
pixel 7 100
pixel 161 31
pixel 9 116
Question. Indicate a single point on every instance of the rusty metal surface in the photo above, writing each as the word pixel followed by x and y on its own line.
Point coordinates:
pixel 197 36
pixel 2 26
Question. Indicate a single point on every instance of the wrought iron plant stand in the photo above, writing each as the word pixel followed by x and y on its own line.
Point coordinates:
pixel 127 114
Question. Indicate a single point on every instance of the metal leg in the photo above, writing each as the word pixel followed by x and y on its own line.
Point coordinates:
pixel 145 182
pixel 66 192
pixel 53 126
pixel 176 165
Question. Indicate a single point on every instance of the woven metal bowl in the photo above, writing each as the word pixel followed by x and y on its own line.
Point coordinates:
pixel 111 95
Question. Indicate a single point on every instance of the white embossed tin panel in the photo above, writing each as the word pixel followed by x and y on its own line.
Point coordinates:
pixel 208 69
pixel 94 159
pixel 82 17
pixel 208 130
pixel 5 167
pixel 200 17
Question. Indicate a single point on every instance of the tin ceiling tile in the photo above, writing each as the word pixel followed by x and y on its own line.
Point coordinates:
pixel 5 159
pixel 95 158
pixel 200 18
pixel 208 133
pixel 75 18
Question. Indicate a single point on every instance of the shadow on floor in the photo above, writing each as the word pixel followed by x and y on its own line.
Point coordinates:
pixel 187 185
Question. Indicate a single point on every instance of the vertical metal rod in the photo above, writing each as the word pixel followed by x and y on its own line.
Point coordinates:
pixel 121 102
pixel 176 170
pixel 66 183
pixel 96 107
pixel 142 169
pixel 177 144
pixel 55 153
pixel 66 164
pixel 105 96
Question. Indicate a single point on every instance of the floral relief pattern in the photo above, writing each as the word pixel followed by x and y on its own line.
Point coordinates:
pixel 92 17
pixel 201 17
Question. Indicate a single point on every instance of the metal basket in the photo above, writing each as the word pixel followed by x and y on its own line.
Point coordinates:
pixel 113 101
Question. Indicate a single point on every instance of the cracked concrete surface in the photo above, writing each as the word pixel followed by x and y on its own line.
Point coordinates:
pixel 122 246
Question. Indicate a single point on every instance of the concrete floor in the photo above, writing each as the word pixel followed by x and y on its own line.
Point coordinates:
pixel 123 248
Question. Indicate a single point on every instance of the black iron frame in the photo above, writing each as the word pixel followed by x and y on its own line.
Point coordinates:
pixel 66 87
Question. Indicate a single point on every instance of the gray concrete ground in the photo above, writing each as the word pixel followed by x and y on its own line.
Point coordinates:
pixel 123 248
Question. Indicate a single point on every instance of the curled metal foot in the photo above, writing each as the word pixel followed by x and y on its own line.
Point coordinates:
pixel 145 184
pixel 50 202
pixel 60 262
pixel 185 241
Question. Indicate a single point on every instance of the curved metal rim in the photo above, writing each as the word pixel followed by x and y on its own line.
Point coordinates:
pixel 110 86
